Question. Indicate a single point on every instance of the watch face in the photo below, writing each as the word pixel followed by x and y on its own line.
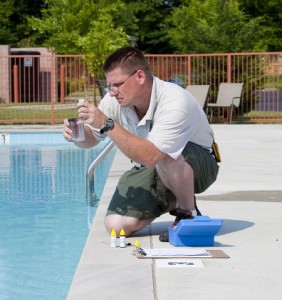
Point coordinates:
pixel 109 123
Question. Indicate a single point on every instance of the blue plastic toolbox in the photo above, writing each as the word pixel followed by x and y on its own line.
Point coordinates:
pixel 199 231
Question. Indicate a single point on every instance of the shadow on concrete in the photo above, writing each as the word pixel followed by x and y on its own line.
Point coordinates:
pixel 156 228
pixel 259 196
pixel 229 226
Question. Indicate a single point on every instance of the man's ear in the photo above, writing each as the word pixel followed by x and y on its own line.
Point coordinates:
pixel 141 76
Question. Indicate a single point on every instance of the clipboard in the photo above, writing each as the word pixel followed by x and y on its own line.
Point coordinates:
pixel 179 253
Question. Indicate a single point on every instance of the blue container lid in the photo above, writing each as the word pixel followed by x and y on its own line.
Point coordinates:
pixel 200 225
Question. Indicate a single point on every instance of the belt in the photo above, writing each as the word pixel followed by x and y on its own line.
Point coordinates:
pixel 137 165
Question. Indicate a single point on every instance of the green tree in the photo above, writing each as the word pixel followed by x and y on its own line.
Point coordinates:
pixel 160 26
pixel 145 20
pixel 14 30
pixel 213 26
pixel 6 34
pixel 271 10
pixel 82 27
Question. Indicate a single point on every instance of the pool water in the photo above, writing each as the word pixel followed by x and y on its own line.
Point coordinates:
pixel 44 217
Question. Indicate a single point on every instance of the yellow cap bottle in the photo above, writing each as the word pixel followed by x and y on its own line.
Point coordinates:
pixel 137 244
pixel 113 239
pixel 122 239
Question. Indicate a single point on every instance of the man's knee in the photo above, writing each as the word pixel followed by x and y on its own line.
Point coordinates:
pixel 119 222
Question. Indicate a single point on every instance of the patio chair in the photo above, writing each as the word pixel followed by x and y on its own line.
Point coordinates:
pixel 229 95
pixel 102 86
pixel 200 92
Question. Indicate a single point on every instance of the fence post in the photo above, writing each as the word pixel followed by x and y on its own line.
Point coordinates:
pixel 189 70
pixel 53 87
pixel 16 83
pixel 62 85
pixel 229 67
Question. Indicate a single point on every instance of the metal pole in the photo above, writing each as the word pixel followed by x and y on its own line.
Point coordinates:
pixel 90 189
pixel 16 83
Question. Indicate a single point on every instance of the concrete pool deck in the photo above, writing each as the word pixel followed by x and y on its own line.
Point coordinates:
pixel 247 196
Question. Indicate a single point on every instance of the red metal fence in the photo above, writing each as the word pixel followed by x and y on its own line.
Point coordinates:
pixel 45 88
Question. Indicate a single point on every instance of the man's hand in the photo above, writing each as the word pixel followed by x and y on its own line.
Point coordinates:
pixel 67 132
pixel 90 114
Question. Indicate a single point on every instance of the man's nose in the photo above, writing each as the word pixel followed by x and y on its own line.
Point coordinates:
pixel 113 92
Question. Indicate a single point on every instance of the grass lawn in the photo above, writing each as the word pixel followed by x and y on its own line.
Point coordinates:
pixel 36 113
pixel 41 113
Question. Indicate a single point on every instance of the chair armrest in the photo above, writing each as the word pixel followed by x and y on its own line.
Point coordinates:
pixel 238 102
pixel 217 105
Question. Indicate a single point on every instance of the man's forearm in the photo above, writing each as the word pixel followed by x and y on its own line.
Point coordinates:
pixel 136 148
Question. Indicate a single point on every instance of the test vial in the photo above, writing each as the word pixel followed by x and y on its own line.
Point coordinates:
pixel 78 134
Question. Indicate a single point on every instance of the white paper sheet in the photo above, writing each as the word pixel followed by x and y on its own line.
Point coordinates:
pixel 176 252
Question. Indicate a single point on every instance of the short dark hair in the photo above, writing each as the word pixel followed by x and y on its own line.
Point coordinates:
pixel 129 59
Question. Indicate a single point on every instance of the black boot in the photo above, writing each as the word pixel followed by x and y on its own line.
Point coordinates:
pixel 180 214
pixel 196 207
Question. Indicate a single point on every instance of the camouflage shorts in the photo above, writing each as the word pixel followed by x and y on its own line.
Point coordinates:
pixel 141 194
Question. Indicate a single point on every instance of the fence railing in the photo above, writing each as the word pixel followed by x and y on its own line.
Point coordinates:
pixel 45 88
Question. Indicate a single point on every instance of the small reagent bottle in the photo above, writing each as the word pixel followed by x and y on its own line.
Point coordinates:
pixel 137 244
pixel 78 134
pixel 122 239
pixel 113 239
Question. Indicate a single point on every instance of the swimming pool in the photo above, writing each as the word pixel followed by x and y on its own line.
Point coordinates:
pixel 43 216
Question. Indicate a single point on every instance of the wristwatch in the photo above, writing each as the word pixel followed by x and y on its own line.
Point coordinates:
pixel 108 125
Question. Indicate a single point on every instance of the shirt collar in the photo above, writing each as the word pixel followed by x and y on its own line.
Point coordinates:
pixel 152 106
pixel 130 111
